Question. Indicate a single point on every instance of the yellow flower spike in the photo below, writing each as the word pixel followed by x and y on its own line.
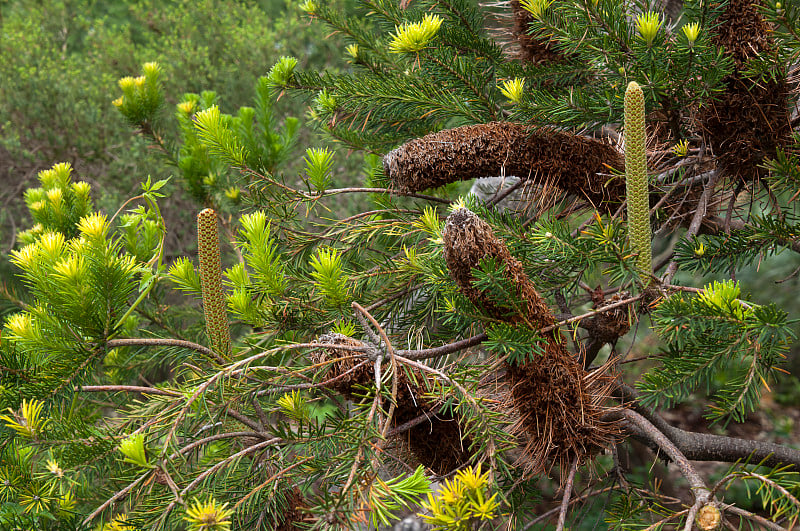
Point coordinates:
pixel 118 102
pixel 535 7
pixel 217 327
pixel 681 149
pixel 648 24
pixel 139 82
pixel 412 37
pixel 513 89
pixel 208 516
pixel 636 183
pixel 692 31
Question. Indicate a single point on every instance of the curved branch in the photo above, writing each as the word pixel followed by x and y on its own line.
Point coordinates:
pixel 159 342
pixel 707 447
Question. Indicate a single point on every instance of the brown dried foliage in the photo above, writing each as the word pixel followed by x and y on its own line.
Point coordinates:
pixel 573 164
pixel 751 119
pixel 559 406
pixel 437 443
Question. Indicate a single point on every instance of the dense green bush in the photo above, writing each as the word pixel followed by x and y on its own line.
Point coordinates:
pixel 60 62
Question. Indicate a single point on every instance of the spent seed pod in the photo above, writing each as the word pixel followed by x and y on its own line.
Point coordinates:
pixel 559 406
pixel 437 442
pixel 542 156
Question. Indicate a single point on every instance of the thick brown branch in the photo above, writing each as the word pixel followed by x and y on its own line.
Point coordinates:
pixel 708 447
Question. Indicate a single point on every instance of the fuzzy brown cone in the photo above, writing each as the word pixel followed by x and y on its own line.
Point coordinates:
pixel 574 164
pixel 559 405
pixel 750 120
pixel 437 442
pixel 531 50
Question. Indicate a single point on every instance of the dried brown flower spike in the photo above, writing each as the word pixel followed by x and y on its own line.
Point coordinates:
pixel 560 407
pixel 751 119
pixel 574 164
pixel 531 50
pixel 437 442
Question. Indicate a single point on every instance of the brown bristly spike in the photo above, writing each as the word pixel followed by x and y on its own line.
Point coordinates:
pixel 438 442
pixel 750 120
pixel 531 50
pixel 574 164
pixel 214 304
pixel 296 511
pixel 559 406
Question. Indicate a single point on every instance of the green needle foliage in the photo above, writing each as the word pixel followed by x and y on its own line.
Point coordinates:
pixel 337 350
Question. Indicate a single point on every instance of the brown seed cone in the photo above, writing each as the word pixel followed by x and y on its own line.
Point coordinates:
pixel 468 240
pixel 296 511
pixel 748 124
pixel 437 443
pixel 572 163
pixel 751 118
pixel 345 361
pixel 531 50
pixel 559 406
pixel 611 325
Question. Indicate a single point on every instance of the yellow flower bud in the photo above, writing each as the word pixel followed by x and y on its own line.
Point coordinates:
pixel 648 24
pixel 692 31
pixel 412 37
pixel 513 89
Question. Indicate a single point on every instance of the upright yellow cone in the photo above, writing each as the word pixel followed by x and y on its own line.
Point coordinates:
pixel 211 278
pixel 636 180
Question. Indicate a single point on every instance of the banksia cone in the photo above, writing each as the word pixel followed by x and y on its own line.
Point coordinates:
pixel 559 406
pixel 211 278
pixel 544 156
pixel 636 180
pixel 341 364
pixel 437 442
pixel 295 513
pixel 750 120
pixel 531 50
pixel 468 240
